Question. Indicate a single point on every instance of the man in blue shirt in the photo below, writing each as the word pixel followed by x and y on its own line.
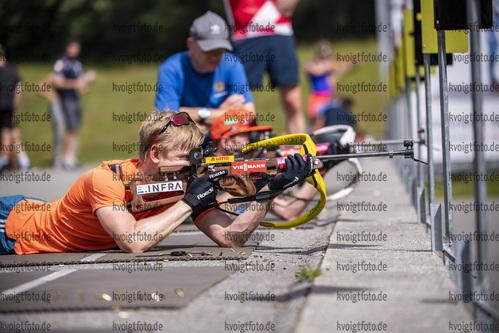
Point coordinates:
pixel 203 81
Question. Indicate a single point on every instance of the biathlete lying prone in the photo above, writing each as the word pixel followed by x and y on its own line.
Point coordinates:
pixel 238 128
pixel 93 214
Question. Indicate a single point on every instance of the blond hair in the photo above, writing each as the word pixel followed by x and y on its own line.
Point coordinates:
pixel 185 137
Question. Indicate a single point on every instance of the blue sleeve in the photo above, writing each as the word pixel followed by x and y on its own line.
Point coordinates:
pixel 322 110
pixel 332 104
pixel 238 76
pixel 169 82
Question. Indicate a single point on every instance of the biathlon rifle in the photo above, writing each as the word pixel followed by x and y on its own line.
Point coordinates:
pixel 241 173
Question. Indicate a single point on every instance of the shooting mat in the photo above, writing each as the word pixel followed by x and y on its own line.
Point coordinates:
pixel 187 246
pixel 172 287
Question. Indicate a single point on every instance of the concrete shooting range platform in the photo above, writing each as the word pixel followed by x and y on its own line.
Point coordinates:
pixel 260 287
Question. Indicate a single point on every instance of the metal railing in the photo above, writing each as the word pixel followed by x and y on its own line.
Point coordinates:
pixel 429 212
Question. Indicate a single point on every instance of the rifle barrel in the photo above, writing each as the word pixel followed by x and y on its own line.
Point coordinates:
pixel 386 142
pixel 408 153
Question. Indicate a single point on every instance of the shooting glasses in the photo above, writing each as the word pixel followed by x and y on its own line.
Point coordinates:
pixel 181 118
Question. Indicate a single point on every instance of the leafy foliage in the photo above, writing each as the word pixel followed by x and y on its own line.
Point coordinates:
pixel 43 26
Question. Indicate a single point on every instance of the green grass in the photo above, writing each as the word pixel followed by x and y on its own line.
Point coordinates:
pixel 308 273
pixel 99 131
pixel 461 189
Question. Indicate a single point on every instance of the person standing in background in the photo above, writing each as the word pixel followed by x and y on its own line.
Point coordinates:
pixel 69 81
pixel 323 72
pixel 263 28
pixel 10 97
pixel 201 81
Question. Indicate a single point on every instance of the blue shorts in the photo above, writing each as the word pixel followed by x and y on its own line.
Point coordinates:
pixel 275 55
pixel 6 205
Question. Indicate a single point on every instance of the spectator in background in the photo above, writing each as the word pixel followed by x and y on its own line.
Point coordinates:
pixel 337 112
pixel 323 72
pixel 69 81
pixel 10 97
pixel 201 81
pixel 263 28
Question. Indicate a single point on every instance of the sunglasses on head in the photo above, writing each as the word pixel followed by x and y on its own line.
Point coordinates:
pixel 181 118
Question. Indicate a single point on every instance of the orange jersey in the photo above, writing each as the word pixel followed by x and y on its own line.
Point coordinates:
pixel 70 223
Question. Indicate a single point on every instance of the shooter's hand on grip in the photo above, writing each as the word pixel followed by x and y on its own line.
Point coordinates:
pixel 296 171
pixel 336 148
pixel 202 191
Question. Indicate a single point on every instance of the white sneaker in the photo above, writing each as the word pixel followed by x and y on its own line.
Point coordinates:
pixel 23 160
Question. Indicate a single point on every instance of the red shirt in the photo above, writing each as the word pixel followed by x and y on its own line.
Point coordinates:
pixel 254 18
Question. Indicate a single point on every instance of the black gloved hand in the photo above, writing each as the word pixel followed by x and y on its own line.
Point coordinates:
pixel 202 191
pixel 296 171
pixel 336 148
